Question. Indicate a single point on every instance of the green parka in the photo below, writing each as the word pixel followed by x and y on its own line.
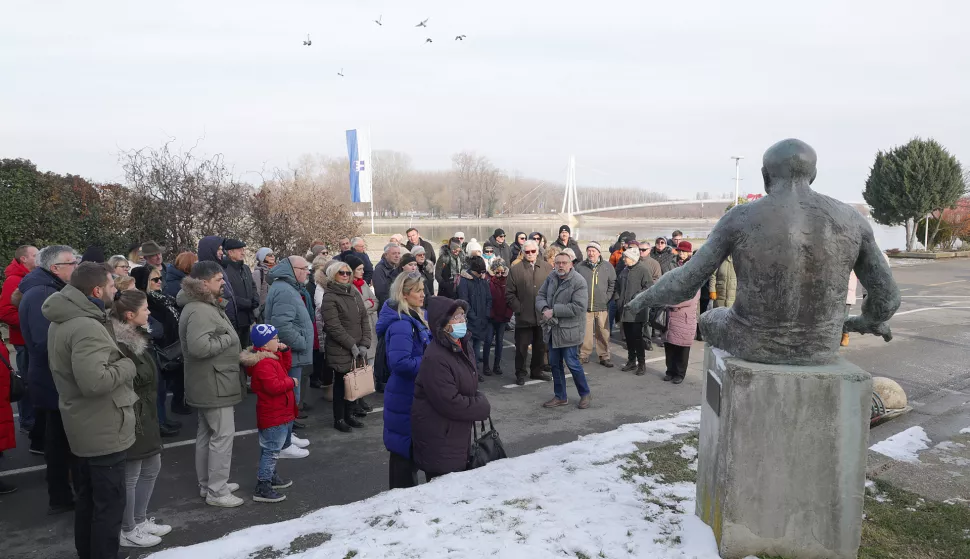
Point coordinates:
pixel 135 344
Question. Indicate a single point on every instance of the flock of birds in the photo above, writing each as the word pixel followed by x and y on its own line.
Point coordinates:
pixel 424 23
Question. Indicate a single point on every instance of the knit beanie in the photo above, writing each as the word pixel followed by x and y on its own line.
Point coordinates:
pixel 473 246
pixel 261 334
pixel 141 275
pixel 262 253
pixel 632 254
pixel 353 261
pixel 566 229
pixel 418 249
pixel 569 252
pixel 594 244
pixel 405 260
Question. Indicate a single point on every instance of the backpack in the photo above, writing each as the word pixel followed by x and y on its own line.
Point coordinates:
pixel 382 372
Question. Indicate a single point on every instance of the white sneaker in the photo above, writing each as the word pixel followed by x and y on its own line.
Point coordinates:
pixel 229 501
pixel 297 441
pixel 139 538
pixel 155 529
pixel 294 451
pixel 233 487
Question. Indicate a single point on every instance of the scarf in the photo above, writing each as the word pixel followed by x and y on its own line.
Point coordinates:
pixel 359 284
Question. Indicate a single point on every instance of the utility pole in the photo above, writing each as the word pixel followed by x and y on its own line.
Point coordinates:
pixel 737 177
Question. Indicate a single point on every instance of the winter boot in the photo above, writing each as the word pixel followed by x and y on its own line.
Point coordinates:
pixel 265 493
pixel 630 365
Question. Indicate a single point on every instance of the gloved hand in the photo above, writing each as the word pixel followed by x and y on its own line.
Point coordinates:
pixel 355 351
pixel 713 295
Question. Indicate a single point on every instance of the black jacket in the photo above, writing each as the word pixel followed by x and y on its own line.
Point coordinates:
pixel 572 244
pixel 428 250
pixel 244 291
pixel 36 287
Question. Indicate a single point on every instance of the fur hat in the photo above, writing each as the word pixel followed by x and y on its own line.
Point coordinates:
pixel 476 264
pixel 632 254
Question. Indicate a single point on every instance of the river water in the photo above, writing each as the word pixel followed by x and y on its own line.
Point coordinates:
pixel 596 229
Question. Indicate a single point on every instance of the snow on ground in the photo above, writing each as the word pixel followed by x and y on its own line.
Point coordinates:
pixel 904 446
pixel 965 431
pixel 562 501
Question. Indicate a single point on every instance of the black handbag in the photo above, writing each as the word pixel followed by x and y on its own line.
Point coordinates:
pixel 659 318
pixel 17 386
pixel 486 448
pixel 170 357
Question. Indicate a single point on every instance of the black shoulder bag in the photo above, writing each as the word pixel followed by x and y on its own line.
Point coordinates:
pixel 486 448
pixel 17 386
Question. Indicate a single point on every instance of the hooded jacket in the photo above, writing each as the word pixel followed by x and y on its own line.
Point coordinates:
pixel 522 287
pixel 290 309
pixel 568 298
pixel 665 258
pixel 502 250
pixel 36 287
pixel 345 323
pixel 210 348
pixel 274 388
pixel 173 281
pixel 601 281
pixel 515 248
pixel 245 290
pixel 474 290
pixel 724 282
pixel 93 378
pixel 405 339
pixel 208 252
pixel 9 315
pixel 446 396
pixel 135 344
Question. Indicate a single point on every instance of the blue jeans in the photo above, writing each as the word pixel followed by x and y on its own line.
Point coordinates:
pixel 571 356
pixel 25 406
pixel 495 334
pixel 271 442
pixel 296 373
pixel 477 344
pixel 611 309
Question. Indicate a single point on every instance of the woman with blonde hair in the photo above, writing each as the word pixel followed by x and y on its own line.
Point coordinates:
pixel 404 325
pixel 348 338
pixel 551 253
pixel 119 265
pixel 322 376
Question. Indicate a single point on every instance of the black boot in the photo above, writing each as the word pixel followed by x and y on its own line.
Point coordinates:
pixel 342 426
pixel 354 423
pixel 362 404
pixel 497 370
pixel 641 370
pixel 486 371
pixel 630 365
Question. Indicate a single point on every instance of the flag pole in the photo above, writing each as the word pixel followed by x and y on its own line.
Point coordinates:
pixel 371 190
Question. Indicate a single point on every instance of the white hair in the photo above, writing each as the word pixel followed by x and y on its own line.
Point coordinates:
pixel 355 239
pixel 389 246
pixel 334 267
pixel 47 257
pixel 530 243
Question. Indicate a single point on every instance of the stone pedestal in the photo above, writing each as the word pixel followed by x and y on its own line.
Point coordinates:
pixel 782 457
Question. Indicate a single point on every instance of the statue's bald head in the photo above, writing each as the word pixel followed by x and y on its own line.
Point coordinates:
pixel 789 161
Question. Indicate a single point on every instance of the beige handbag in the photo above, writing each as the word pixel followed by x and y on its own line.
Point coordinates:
pixel 360 381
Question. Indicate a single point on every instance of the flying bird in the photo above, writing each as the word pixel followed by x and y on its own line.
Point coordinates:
pixel 460 38
pixel 308 42
pixel 422 24
pixel 341 73
pixel 428 40
pixel 378 20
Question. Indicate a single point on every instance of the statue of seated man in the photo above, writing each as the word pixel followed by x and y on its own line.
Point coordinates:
pixel 793 251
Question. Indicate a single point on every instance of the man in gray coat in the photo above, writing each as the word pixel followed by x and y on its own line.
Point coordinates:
pixel 562 302
pixel 601 282
pixel 210 349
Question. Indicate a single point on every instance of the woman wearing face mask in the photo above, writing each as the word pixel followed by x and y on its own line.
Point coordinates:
pixel 446 396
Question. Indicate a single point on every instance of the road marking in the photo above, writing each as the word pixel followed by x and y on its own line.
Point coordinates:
pixel 527 383
pixel 569 377
pixel 935 296
pixel 945 283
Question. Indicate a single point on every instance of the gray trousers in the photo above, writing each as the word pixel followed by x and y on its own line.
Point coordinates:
pixel 140 476
pixel 213 449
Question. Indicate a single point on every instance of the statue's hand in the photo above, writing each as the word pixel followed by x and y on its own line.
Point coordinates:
pixel 863 326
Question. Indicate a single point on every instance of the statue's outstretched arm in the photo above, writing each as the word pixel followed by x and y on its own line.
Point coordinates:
pixel 882 299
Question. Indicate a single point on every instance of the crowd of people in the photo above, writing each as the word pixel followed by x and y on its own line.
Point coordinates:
pixel 101 341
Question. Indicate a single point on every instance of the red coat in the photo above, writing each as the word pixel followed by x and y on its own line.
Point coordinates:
pixel 8 313
pixel 501 311
pixel 8 435
pixel 275 400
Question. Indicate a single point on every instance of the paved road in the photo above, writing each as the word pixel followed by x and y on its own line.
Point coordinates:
pixel 928 357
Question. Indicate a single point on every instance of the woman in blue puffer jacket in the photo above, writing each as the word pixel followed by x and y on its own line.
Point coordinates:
pixel 404 326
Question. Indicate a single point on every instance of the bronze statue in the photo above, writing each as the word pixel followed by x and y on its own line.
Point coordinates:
pixel 793 251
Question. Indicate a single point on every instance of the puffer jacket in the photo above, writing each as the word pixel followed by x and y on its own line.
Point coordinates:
pixel 665 258
pixel 135 344
pixel 405 339
pixel 724 282
pixel 94 379
pixel 8 434
pixel 13 275
pixel 522 286
pixel 274 388
pixel 345 323
pixel 36 287
pixel 637 278
pixel 474 290
pixel 290 309
pixel 446 396
pixel 601 282
pixel 210 348
pixel 682 322
pixel 568 298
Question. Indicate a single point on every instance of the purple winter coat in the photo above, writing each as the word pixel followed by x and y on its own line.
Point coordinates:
pixel 682 322
pixel 446 396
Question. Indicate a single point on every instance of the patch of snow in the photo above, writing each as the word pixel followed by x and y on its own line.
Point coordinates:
pixel 949 445
pixel 552 503
pixel 904 446
pixel 965 431
pixel 688 452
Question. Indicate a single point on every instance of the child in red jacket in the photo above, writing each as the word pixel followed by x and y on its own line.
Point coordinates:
pixel 8 436
pixel 267 362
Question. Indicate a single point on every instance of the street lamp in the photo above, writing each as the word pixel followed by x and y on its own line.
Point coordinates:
pixel 737 176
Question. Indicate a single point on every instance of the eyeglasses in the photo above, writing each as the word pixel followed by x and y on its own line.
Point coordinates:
pixel 530 251
pixel 520 238
pixel 457 318
pixel 661 243
pixel 125 266
pixel 73 263
pixel 344 273
pixel 301 268
pixel 156 280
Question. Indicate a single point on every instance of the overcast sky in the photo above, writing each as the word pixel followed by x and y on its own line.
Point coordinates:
pixel 646 94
